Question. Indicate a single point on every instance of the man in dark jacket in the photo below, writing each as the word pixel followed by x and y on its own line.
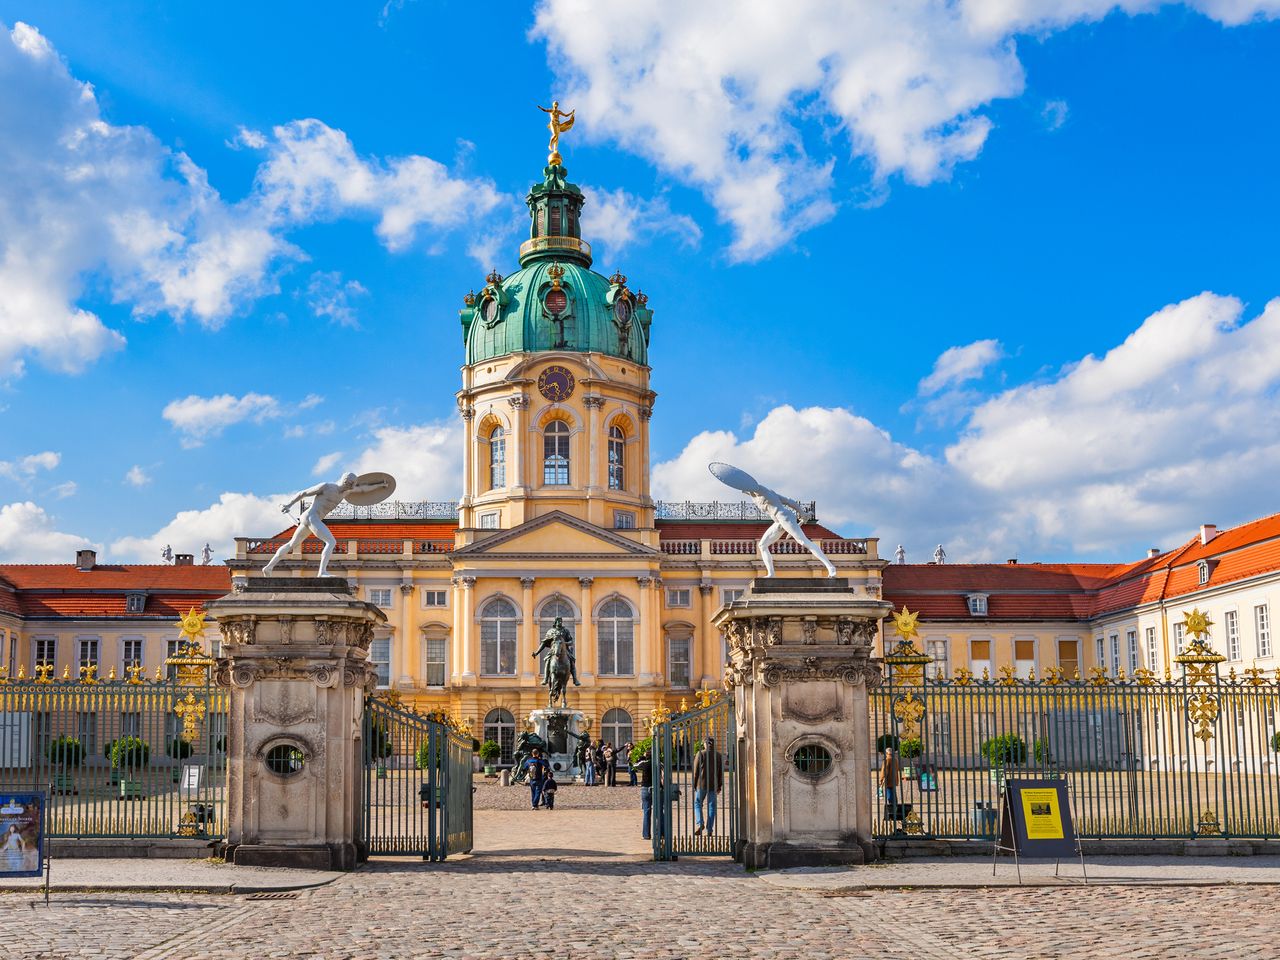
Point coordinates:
pixel 708 780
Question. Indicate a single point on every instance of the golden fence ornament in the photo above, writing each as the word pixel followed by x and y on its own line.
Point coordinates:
pixel 191 711
pixel 706 697
pixel 908 711
pixel 1208 825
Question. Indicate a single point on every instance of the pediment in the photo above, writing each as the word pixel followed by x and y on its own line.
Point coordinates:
pixel 556 534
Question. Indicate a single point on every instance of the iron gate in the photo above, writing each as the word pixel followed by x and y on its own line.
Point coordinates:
pixel 701 822
pixel 417 785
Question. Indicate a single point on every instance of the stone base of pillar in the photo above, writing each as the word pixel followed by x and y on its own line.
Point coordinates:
pixel 800 667
pixel 295 657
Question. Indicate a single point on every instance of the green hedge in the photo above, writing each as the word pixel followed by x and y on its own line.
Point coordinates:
pixel 1008 748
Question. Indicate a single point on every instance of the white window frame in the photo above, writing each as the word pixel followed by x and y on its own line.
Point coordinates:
pixel 604 626
pixel 940 649
pixel 429 594
pixel 135 602
pixel 1074 641
pixel 978 664
pixel 672 661
pixel 1131 643
pixel 1153 650
pixel 375 595
pixel 125 660
pixel 1231 628
pixel 1202 567
pixel 1114 640
pixel 977 604
pixel 491 520
pixel 91 645
pixel 1100 648
pixel 497 458
pixel 428 661
pixel 38 645
pixel 378 664
pixel 557 454
pixel 1262 627
pixel 736 592
pixel 1022 667
pixel 617 458
pixel 500 640
pixel 1179 636
pixel 624 520
pixel 679 596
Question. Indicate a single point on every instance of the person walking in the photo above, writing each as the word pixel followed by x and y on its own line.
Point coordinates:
pixel 708 781
pixel 631 766
pixel 646 794
pixel 538 771
pixel 549 787
pixel 890 782
pixel 597 760
pixel 610 765
pixel 582 757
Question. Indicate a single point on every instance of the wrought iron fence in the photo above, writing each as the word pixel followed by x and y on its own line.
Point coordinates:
pixel 1187 756
pixel 695 781
pixel 417 799
pixel 125 759
pixel 718 510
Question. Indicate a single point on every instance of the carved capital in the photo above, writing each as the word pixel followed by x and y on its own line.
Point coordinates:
pixel 518 402
pixel 593 403
pixel 646 413
pixel 467 412
pixel 406 589
pixel 467 582
pixel 705 587
pixel 586 582
pixel 644 582
pixel 528 582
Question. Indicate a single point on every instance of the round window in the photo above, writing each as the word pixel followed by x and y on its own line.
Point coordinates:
pixel 812 760
pixel 622 309
pixel 489 310
pixel 285 760
pixel 557 301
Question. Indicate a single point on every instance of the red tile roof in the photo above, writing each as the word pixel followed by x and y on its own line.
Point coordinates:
pixel 62 590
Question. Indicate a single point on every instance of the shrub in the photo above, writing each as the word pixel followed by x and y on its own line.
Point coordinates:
pixel 640 749
pixel 490 751
pixel 422 756
pixel 379 745
pixel 67 751
pixel 130 753
pixel 1275 742
pixel 1005 749
pixel 1041 750
pixel 179 749
pixel 885 741
pixel 912 747
pixel 106 751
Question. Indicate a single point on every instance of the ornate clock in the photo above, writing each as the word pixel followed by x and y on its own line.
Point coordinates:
pixel 556 383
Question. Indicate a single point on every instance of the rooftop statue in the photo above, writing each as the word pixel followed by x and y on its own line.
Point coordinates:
pixel 939 555
pixel 784 511
pixel 363 490
pixel 558 122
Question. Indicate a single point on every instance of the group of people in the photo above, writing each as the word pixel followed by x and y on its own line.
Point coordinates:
pixel 599 762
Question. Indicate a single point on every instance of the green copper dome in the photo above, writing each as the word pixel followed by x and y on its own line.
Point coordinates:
pixel 555 301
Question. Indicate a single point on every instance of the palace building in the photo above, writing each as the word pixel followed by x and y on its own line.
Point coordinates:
pixel 556 519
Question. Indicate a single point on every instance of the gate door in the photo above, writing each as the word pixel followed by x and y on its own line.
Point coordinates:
pixel 417 785
pixel 702 822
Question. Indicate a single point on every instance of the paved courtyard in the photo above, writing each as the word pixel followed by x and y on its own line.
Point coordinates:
pixel 576 883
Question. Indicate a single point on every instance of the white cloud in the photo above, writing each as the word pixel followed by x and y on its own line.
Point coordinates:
pixel 957 365
pixel 234 514
pixel 199 418
pixel 64 490
pixel 1178 425
pixel 85 203
pixel 1055 114
pixel 617 219
pixel 137 476
pixel 28 535
pixel 326 463
pixel 328 296
pixel 717 93
pixel 426 460
pixel 24 468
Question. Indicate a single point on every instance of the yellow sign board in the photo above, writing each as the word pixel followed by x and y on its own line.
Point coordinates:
pixel 1042 813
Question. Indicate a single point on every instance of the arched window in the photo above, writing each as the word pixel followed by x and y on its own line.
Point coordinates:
pixel 500 726
pixel 617 449
pixel 497 459
pixel 555 607
pixel 498 627
pixel 615 637
pixel 616 727
pixel 555 454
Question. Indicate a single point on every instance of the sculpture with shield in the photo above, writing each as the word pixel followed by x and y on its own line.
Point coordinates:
pixel 363 490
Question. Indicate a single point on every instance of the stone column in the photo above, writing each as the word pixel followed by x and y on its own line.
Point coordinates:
pixel 470 635
pixel 649 638
pixel 518 456
pixel 295 656
pixel 593 405
pixel 800 665
pixel 588 660
pixel 705 641
pixel 468 476
pixel 528 634
pixel 405 637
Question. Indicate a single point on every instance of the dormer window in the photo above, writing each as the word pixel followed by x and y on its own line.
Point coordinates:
pixel 977 604
pixel 1203 567
pixel 135 602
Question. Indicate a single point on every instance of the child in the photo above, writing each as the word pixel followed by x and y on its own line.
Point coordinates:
pixel 549 791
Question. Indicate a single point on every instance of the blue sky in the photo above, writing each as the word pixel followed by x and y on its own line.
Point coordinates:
pixel 995 275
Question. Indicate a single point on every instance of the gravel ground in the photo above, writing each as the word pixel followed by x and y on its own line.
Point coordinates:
pixel 491 795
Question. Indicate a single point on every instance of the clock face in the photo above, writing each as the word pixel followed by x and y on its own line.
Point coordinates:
pixel 556 384
pixel 556 301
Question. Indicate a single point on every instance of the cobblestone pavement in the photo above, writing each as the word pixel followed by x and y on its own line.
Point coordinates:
pixel 491 795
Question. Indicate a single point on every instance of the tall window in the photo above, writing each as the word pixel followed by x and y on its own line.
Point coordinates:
pixel 500 727
pixel 555 454
pixel 678 662
pixel 1102 653
pixel 380 657
pixel 1131 641
pixel 616 727
pixel 617 450
pixel 46 651
pixel 497 459
pixel 980 657
pixel 615 637
pixel 937 648
pixel 1179 629
pixel 88 653
pixel 1024 658
pixel 1069 657
pixel 1262 623
pixel 435 661
pixel 1153 655
pixel 498 624
pixel 1231 622
pixel 171 651
pixel 1115 654
pixel 132 652
pixel 555 607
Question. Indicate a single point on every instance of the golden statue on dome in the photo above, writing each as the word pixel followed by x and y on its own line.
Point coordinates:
pixel 558 122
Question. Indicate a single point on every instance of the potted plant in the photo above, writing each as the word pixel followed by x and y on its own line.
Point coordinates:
pixel 179 749
pixel 66 754
pixel 490 753
pixel 1007 749
pixel 130 754
pixel 885 741
pixel 910 751
pixel 379 748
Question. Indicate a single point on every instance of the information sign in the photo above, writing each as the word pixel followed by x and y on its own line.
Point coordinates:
pixel 22 834
pixel 1035 821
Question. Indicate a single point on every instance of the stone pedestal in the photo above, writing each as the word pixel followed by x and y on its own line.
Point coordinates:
pixel 554 725
pixel 295 656
pixel 800 668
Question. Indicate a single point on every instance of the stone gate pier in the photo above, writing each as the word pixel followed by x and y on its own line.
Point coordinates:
pixel 800 667
pixel 295 657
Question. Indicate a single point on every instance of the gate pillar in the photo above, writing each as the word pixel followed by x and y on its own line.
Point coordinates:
pixel 800 665
pixel 295 657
